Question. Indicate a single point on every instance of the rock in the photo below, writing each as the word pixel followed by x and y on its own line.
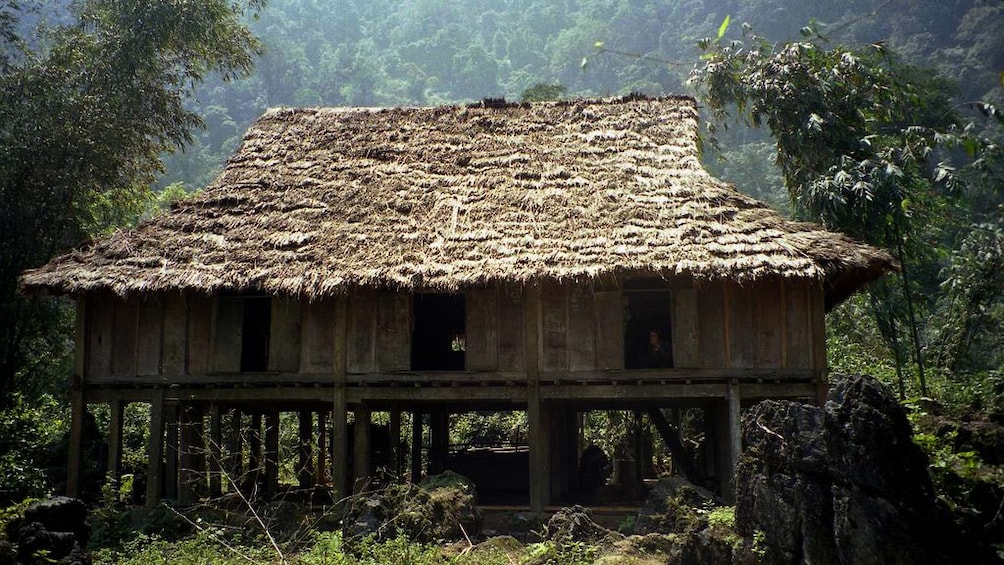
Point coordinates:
pixel 51 531
pixel 842 484
pixel 675 505
pixel 6 553
pixel 446 511
pixel 61 514
pixel 575 524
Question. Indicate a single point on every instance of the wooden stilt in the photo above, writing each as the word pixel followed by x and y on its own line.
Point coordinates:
pixel 155 449
pixel 115 412
pixel 416 447
pixel 235 451
pixel 215 451
pixel 304 468
pixel 540 484
pixel 439 424
pixel 340 443
pixel 272 452
pixel 539 480
pixel 188 444
pixel 74 457
pixel 170 479
pixel 395 442
pixel 323 453
pixel 362 467
pixel 735 431
pixel 254 472
pixel 339 411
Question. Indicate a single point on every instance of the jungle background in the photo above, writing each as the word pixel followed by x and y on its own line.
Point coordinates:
pixel 879 118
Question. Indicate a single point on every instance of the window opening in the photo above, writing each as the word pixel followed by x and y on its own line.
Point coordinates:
pixel 438 342
pixel 648 343
pixel 255 332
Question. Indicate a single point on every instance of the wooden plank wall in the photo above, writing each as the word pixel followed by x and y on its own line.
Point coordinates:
pixel 553 324
pixel 582 324
pixel 768 314
pixel 798 332
pixel 227 331
pixel 609 334
pixel 686 342
pixel 481 328
pixel 199 312
pixel 510 328
pixel 393 338
pixel 100 322
pixel 362 326
pixel 318 337
pixel 149 336
pixel 770 324
pixel 284 335
pixel 175 335
pixel 124 342
pixel 711 332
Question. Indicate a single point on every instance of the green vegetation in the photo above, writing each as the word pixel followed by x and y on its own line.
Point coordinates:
pixel 879 122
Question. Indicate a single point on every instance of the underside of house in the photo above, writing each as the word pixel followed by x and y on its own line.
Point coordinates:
pixel 368 270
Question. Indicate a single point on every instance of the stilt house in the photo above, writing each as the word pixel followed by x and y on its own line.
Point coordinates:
pixel 553 257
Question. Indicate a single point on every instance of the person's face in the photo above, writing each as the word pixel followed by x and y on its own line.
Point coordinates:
pixel 653 339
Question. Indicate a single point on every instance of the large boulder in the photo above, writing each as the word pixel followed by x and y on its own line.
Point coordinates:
pixel 842 484
pixel 51 531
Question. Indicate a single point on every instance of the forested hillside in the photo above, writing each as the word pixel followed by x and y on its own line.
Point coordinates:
pixel 425 52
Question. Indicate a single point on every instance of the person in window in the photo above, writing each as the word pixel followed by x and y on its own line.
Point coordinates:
pixel 659 355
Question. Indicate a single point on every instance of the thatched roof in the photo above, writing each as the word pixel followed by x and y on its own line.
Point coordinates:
pixel 320 200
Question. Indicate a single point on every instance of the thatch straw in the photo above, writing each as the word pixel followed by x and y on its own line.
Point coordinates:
pixel 319 201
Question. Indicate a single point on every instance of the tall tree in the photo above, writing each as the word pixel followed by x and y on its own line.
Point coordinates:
pixel 84 119
pixel 858 137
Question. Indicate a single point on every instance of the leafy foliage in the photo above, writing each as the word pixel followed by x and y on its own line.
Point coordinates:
pixel 86 115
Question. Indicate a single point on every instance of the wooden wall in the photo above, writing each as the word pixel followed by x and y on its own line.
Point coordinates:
pixel 715 325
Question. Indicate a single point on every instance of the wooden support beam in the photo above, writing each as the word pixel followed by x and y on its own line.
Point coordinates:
pixel 272 452
pixel 253 478
pixel 339 411
pixel 416 447
pixel 170 480
pixel 735 425
pixel 191 455
pixel 537 431
pixel 304 468
pixel 74 456
pixel 323 453
pixel 155 449
pixel 215 451
pixel 682 458
pixel 439 442
pixel 395 442
pixel 115 413
pixel 362 467
pixel 235 450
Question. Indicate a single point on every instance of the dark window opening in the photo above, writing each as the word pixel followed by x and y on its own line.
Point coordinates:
pixel 255 332
pixel 438 342
pixel 648 343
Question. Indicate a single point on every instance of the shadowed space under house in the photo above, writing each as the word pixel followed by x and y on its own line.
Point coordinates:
pixel 555 257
